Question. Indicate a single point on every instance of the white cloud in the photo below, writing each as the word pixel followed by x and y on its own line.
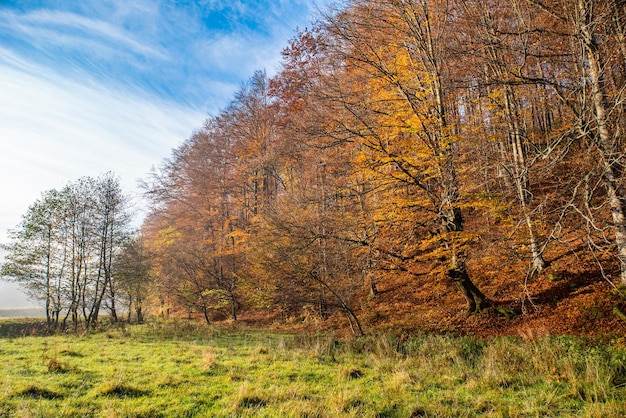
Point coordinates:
pixel 53 130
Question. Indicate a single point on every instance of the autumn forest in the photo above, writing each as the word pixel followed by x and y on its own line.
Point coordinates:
pixel 415 164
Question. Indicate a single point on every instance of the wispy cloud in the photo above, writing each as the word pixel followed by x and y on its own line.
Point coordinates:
pixel 168 48
pixel 77 28
pixel 55 130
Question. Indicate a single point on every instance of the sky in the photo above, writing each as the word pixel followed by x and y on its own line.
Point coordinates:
pixel 92 86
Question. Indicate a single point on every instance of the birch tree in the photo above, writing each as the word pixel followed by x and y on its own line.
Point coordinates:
pixel 63 250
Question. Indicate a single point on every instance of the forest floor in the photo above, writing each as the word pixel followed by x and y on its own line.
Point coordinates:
pixel 555 302
pixel 572 296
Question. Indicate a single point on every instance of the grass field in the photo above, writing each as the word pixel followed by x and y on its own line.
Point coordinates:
pixel 177 369
pixel 22 313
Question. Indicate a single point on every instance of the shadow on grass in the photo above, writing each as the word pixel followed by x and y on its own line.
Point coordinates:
pixel 252 402
pixel 123 391
pixel 35 392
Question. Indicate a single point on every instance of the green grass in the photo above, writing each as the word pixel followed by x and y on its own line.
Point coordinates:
pixel 178 369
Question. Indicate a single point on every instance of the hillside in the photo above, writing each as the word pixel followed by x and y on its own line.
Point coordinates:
pixel 569 298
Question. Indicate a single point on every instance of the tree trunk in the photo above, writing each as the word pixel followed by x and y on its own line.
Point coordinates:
pixel 476 300
pixel 457 272
pixel 205 313
pixel 373 288
pixel 129 313
pixel 520 172
pixel 609 151
pixel 233 308
pixel 139 313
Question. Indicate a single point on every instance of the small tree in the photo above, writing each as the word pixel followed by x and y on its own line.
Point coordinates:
pixel 36 255
pixel 133 276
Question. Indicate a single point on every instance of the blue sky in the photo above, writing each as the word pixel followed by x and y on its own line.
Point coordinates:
pixel 92 86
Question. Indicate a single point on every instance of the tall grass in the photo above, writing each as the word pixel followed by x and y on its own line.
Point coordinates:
pixel 182 369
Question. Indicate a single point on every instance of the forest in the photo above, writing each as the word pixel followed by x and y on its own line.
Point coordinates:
pixel 449 165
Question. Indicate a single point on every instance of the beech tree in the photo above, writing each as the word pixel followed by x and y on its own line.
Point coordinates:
pixel 191 233
pixel 302 254
pixel 588 18
pixel 218 181
pixel 497 36
pixel 397 107
pixel 588 77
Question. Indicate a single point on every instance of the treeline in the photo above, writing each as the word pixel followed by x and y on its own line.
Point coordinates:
pixel 401 137
pixel 67 252
pixel 401 140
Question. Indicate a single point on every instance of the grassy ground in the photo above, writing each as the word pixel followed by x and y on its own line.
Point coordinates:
pixel 179 369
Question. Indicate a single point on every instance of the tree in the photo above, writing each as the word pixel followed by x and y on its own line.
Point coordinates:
pixel 499 39
pixel 133 276
pixel 35 256
pixel 590 84
pixel 392 88
pixel 302 254
pixel 112 220
pixel 588 16
pixel 199 212
pixel 63 250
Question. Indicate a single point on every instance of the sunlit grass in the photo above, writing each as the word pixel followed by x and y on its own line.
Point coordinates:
pixel 179 369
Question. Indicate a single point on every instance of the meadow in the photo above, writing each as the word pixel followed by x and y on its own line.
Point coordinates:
pixel 182 369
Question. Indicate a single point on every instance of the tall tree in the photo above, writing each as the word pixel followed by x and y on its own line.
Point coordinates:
pixel 36 258
pixel 112 220
pixel 593 90
pixel 496 35
pixel 397 107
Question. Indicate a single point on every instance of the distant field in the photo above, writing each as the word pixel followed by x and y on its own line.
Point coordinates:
pixel 177 369
pixel 22 313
